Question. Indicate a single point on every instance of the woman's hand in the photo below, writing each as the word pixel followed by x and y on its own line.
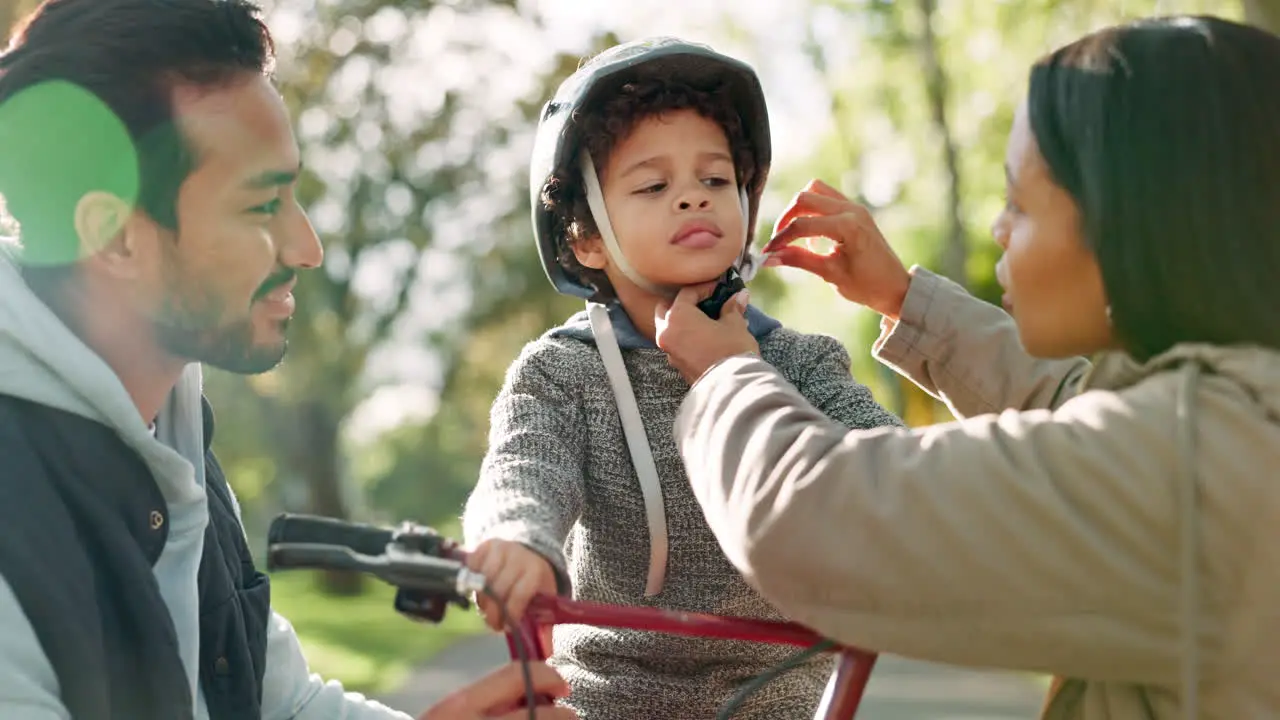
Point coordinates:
pixel 694 342
pixel 862 266
pixel 497 694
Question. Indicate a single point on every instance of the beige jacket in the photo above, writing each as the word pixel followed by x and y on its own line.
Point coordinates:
pixel 1114 524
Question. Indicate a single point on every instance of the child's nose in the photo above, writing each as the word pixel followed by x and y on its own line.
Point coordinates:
pixel 686 203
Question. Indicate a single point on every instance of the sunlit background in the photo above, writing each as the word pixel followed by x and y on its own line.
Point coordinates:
pixel 416 120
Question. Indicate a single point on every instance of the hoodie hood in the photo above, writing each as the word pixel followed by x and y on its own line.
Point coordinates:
pixel 1254 368
pixel 42 361
pixel 578 327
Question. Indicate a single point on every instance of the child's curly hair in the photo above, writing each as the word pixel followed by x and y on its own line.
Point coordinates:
pixel 603 128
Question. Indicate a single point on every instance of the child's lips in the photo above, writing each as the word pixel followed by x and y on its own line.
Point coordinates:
pixel 698 235
pixel 700 240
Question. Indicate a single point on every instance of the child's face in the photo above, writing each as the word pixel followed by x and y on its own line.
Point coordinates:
pixel 672 198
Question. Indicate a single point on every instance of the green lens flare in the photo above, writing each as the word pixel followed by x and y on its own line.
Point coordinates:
pixel 59 141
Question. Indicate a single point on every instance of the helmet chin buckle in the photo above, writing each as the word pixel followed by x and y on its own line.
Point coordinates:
pixel 730 284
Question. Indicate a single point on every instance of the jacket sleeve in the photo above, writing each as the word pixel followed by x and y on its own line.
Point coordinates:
pixel 825 380
pixel 29 687
pixel 290 691
pixel 966 352
pixel 28 684
pixel 531 480
pixel 1037 540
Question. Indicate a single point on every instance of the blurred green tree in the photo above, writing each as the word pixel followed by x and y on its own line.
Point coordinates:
pixel 411 148
pixel 922 96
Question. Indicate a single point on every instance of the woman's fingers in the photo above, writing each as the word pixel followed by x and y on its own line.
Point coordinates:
pixel 817 198
pixel 807 204
pixel 804 259
pixel 836 228
pixel 499 691
pixel 821 188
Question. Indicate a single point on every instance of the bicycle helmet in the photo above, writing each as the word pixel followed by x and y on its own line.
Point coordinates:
pixel 558 140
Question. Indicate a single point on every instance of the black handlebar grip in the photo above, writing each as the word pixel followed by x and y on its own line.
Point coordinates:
pixel 313 529
pixel 431 575
pixel 314 557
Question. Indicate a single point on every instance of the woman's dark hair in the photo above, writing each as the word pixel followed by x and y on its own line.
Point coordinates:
pixel 1166 132
pixel 125 56
pixel 609 125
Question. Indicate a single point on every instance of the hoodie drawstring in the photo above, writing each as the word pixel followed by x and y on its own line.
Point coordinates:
pixel 1189 505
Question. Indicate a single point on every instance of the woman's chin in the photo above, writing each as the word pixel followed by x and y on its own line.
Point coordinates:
pixel 1053 344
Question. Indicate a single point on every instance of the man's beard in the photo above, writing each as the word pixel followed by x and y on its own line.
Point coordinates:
pixel 192 325
pixel 227 347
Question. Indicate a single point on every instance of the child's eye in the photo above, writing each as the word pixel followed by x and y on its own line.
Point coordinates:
pixel 652 189
pixel 717 182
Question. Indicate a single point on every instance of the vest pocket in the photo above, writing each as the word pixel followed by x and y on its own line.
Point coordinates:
pixel 233 644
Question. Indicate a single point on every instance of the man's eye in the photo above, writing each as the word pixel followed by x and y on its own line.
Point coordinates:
pixel 268 208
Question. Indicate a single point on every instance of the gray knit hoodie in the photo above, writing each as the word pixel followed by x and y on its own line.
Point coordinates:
pixel 558 478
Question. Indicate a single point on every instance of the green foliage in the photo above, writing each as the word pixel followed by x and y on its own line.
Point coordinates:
pixel 425 237
pixel 361 640
pixel 886 147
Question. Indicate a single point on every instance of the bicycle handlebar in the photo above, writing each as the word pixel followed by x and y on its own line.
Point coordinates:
pixel 403 569
pixel 314 530
pixel 315 556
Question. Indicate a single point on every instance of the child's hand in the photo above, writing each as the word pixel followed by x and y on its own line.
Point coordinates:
pixel 862 266
pixel 514 574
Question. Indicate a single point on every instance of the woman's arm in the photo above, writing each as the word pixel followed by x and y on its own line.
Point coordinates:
pixel 966 352
pixel 1036 540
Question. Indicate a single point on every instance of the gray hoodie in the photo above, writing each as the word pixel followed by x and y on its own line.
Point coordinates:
pixel 41 360
pixel 559 477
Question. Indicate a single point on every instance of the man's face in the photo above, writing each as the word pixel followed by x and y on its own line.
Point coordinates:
pixel 219 289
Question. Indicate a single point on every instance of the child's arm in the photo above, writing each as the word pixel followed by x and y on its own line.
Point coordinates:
pixel 826 382
pixel 531 481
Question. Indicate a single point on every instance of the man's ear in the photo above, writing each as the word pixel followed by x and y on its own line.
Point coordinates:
pixel 591 253
pixel 102 223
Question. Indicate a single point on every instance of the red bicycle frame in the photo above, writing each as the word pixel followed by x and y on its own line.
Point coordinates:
pixel 416 569
pixel 839 702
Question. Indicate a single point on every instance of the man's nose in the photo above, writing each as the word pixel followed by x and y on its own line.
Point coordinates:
pixel 300 246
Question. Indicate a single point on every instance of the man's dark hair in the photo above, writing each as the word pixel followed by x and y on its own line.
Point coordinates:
pixel 603 128
pixel 125 57
pixel 1166 132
